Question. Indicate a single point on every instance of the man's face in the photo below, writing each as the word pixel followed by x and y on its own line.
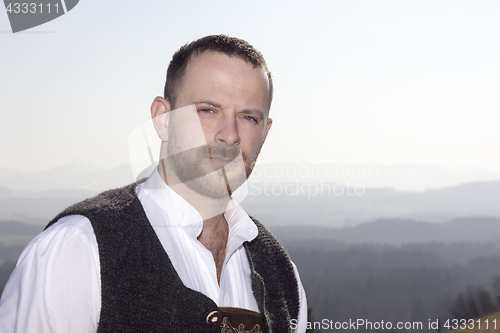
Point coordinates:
pixel 231 100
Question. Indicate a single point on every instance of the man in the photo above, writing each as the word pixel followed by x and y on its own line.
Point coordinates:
pixel 174 253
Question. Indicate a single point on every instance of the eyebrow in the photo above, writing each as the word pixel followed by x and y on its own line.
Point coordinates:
pixel 209 102
pixel 219 106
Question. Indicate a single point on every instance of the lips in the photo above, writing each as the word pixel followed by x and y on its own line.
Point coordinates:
pixel 221 156
pixel 219 162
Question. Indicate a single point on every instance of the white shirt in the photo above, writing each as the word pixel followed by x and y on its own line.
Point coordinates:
pixel 56 285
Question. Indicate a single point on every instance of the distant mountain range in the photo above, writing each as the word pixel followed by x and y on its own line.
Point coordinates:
pixel 399 231
pixel 36 197
pixel 473 230
pixel 73 175
pixel 409 177
pixel 440 205
pixel 37 207
pixel 11 228
pixel 80 175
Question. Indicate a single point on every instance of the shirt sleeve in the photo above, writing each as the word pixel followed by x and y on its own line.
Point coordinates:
pixel 301 325
pixel 55 286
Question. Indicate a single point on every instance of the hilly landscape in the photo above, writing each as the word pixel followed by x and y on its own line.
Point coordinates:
pixel 36 197
pixel 415 274
pixel 380 254
pixel 399 231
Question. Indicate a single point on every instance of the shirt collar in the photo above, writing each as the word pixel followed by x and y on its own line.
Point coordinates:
pixel 177 212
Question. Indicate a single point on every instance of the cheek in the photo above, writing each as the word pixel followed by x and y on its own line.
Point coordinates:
pixel 252 144
pixel 208 130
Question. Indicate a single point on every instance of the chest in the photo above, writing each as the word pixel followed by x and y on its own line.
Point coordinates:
pixel 197 269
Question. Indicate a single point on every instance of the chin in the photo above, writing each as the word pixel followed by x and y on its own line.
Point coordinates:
pixel 214 184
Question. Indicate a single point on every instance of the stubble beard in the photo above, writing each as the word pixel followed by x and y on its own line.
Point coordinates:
pixel 193 168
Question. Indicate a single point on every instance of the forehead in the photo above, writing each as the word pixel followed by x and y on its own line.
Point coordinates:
pixel 225 77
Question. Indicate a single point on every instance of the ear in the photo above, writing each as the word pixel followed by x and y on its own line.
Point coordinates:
pixel 268 127
pixel 269 123
pixel 159 109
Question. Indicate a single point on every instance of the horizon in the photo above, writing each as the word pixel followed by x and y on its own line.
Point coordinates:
pixel 35 196
pixel 372 83
pixel 368 176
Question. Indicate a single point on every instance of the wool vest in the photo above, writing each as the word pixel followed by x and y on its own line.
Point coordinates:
pixel 142 292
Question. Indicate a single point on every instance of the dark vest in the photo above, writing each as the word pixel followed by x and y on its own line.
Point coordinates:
pixel 142 292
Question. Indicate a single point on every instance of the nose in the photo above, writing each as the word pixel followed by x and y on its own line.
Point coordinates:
pixel 227 131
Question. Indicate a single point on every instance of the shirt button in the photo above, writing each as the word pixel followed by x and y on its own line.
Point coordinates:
pixel 226 300
pixel 214 318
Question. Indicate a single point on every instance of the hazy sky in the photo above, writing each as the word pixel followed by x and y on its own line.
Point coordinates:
pixel 372 82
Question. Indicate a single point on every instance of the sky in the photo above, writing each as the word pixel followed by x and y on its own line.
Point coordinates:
pixel 356 82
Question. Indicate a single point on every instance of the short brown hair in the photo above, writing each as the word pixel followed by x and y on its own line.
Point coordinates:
pixel 230 46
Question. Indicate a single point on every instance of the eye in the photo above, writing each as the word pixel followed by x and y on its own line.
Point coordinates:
pixel 250 118
pixel 207 111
